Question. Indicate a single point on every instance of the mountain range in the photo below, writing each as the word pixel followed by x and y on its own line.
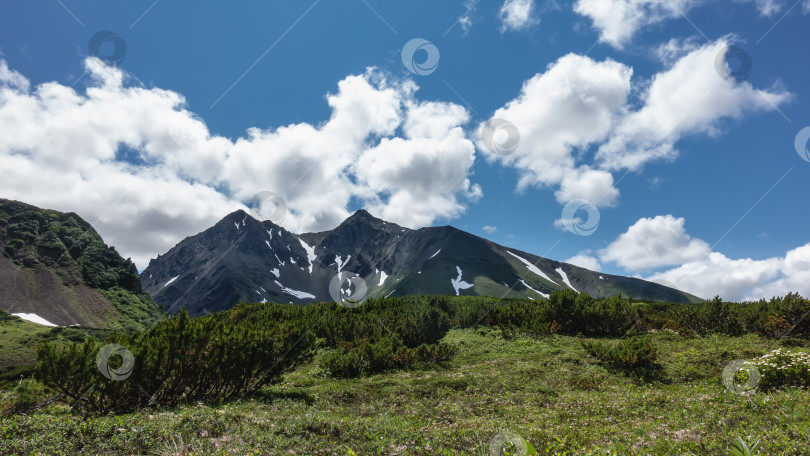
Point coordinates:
pixel 241 259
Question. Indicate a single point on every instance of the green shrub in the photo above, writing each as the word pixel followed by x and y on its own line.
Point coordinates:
pixel 631 353
pixel 211 358
pixel 24 396
pixel 375 356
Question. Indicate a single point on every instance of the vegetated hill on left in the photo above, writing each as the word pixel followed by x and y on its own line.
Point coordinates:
pixel 56 266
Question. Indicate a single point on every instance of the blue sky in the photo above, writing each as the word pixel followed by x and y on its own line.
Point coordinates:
pixel 720 194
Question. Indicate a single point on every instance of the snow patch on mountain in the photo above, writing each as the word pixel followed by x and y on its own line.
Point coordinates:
pixel 383 276
pixel 310 253
pixel 34 318
pixel 296 293
pixel 530 288
pixel 565 279
pixel 270 232
pixel 532 267
pixel 340 263
pixel 437 252
pixel 170 281
pixel 276 272
pixel 459 284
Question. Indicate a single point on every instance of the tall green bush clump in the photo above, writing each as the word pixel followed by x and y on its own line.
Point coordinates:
pixel 385 334
pixel 632 353
pixel 215 358
pixel 778 317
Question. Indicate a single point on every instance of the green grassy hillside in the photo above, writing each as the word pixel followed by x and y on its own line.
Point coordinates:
pixel 571 376
pixel 547 390
pixel 56 265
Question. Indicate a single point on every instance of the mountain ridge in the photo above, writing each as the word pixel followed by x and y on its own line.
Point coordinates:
pixel 241 259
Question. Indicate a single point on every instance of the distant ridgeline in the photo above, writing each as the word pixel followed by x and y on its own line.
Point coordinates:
pixel 55 267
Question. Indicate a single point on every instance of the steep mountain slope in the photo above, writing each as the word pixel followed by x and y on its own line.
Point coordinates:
pixel 238 259
pixel 242 259
pixel 55 266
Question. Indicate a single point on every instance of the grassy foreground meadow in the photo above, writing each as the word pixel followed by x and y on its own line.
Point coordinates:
pixel 546 389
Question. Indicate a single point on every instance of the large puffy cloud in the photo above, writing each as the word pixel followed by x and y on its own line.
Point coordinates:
pixel 146 172
pixel 618 20
pixel 654 242
pixel 574 104
pixel 735 280
pixel 688 98
pixel 579 104
pixel 662 241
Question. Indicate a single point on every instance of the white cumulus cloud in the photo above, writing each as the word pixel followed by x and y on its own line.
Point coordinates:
pixel 517 15
pixel 654 242
pixel 618 20
pixel 574 104
pixel 662 242
pixel 584 260
pixel 688 98
pixel 146 172
pixel 577 123
pixel 766 8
